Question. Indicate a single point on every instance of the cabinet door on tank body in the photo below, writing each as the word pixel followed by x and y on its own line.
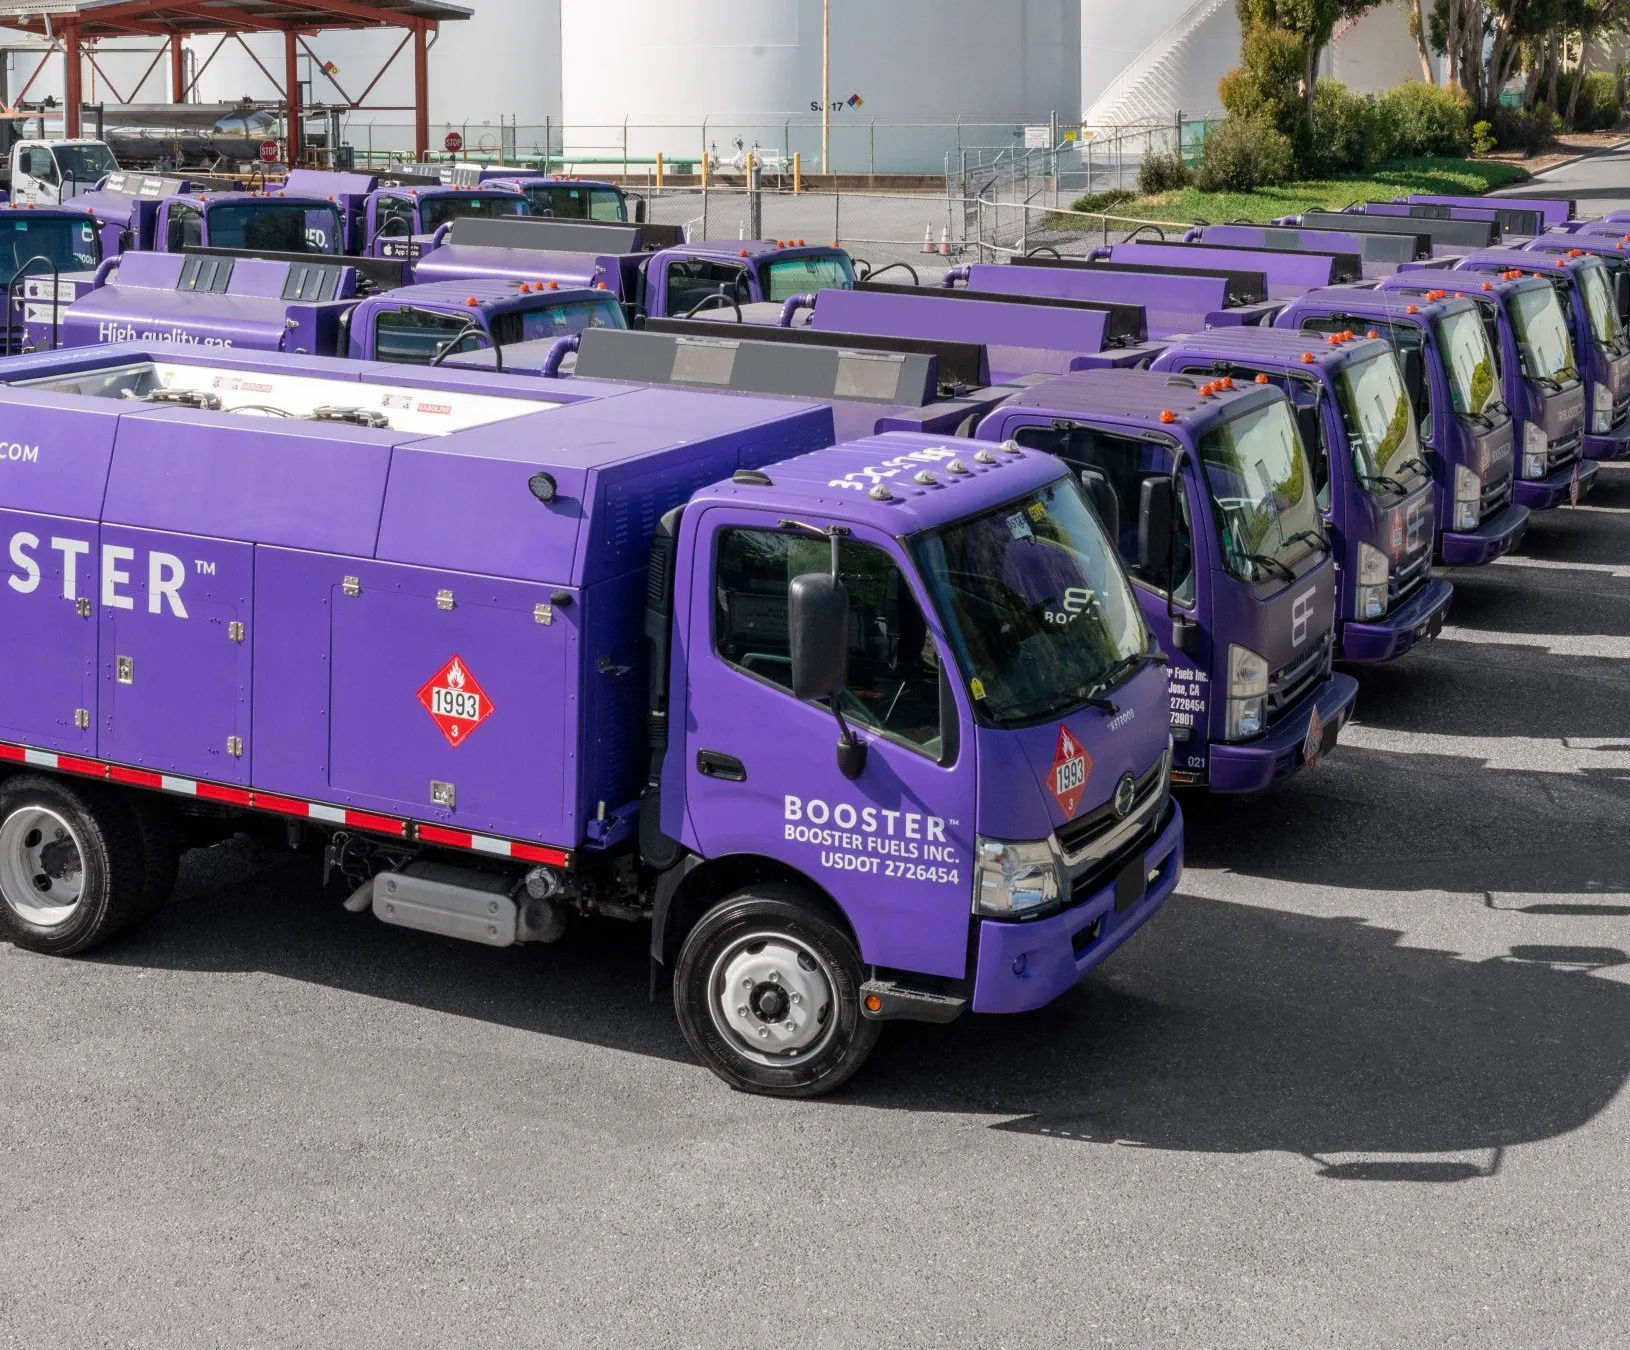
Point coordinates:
pixel 894 846
pixel 175 652
pixel 48 655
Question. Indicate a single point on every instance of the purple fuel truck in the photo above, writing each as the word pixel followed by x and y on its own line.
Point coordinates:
pixel 1465 430
pixel 559 195
pixel 1600 341
pixel 1379 254
pixel 863 732
pixel 1447 236
pixel 1539 378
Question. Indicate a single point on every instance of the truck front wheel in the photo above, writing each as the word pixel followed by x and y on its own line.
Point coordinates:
pixel 72 867
pixel 768 995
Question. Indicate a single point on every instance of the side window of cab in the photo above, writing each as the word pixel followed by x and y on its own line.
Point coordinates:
pixel 1409 346
pixel 185 227
pixel 394 219
pixel 693 280
pixel 1113 470
pixel 894 668
pixel 414 337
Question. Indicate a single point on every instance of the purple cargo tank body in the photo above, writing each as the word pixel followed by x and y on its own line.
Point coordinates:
pixel 1599 338
pixel 215 302
pixel 1379 254
pixel 1529 327
pixel 1472 463
pixel 1554 210
pixel 1368 519
pixel 1121 426
pixel 1287 273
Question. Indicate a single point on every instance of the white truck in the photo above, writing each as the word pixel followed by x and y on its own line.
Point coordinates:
pixel 49 172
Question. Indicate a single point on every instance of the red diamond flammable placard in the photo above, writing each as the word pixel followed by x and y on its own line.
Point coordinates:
pixel 456 701
pixel 1072 766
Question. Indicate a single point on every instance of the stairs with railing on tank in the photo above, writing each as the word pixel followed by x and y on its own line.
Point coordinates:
pixel 1159 81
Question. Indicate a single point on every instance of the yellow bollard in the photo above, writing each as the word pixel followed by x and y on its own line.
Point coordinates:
pixel 797 171
pixel 659 171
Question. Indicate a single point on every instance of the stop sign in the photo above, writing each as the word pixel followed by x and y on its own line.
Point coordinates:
pixel 268 151
pixel 453 143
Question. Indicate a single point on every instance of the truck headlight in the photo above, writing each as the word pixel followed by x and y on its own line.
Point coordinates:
pixel 1247 693
pixel 1370 602
pixel 1014 879
pixel 1535 449
pixel 1601 410
pixel 1468 498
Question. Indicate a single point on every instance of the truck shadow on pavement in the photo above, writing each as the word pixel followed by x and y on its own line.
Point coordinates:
pixel 1223 1028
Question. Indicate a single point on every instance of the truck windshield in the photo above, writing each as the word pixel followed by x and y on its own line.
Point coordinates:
pixel 271 226
pixel 85 164
pixel 1262 487
pixel 1468 362
pixel 1604 314
pixel 557 320
pixel 43 243
pixel 576 201
pixel 437 211
pixel 787 277
pixel 1380 429
pixel 1034 603
pixel 1541 330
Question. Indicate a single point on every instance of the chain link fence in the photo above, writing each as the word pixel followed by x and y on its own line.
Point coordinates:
pixel 925 232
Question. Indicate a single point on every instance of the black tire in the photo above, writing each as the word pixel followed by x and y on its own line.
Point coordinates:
pixel 99 858
pixel 160 831
pixel 745 931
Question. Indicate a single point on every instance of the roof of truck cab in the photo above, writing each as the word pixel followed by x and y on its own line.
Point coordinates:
pixel 67 211
pixel 1485 286
pixel 734 249
pixel 839 480
pixel 1520 260
pixel 1359 299
pixel 1139 395
pixel 1273 345
pixel 498 190
pixel 487 291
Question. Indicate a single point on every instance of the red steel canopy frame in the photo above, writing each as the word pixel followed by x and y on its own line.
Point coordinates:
pixel 75 26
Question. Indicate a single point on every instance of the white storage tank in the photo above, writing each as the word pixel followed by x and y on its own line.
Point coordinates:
pixel 901 75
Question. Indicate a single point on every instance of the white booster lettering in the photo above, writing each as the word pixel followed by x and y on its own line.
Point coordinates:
pixel 864 819
pixel 165 573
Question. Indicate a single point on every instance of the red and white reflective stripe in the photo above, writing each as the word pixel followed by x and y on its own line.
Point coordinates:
pixel 285 806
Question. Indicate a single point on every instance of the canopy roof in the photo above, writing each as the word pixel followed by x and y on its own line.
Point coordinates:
pixel 97 19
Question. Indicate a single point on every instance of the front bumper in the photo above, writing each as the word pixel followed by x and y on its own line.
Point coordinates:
pixel 1020 966
pixel 1255 767
pixel 1494 538
pixel 1389 637
pixel 1608 446
pixel 1542 494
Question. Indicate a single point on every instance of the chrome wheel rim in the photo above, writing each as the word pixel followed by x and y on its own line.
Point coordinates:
pixel 42 867
pixel 773 999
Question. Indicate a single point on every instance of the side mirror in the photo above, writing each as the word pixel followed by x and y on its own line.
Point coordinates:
pixel 639 210
pixel 818 619
pixel 1185 635
pixel 1157 508
pixel 1621 290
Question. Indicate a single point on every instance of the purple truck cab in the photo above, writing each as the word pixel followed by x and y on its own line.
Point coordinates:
pixel 563 196
pixel 1210 500
pixel 1539 380
pixel 649 268
pixel 1374 487
pixel 406 222
pixel 1465 431
pixel 1600 340
pixel 49 255
pixel 864 732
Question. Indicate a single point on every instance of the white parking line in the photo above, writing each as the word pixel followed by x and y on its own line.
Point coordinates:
pixel 1615 570
pixel 1557 644
pixel 1523 754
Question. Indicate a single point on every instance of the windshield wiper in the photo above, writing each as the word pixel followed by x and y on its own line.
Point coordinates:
pixel 1117 674
pixel 1415 461
pixel 1384 480
pixel 1311 538
pixel 1263 560
pixel 1549 381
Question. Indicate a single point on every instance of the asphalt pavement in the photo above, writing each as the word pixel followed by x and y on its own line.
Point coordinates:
pixel 1360 1083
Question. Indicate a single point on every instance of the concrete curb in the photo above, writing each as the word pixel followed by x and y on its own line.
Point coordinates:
pixel 1565 164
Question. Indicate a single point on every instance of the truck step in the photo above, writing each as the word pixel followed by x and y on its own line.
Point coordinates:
pixel 452 901
pixel 886 1001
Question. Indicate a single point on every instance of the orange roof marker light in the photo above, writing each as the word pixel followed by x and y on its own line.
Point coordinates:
pixel 1372 334
pixel 1167 417
pixel 1262 379
pixel 1308 358
pixel 1412 309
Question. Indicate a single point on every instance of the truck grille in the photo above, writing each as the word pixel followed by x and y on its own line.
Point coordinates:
pixel 1621 412
pixel 1564 453
pixel 1290 683
pixel 1098 845
pixel 1410 571
pixel 1496 496
pixel 1079 836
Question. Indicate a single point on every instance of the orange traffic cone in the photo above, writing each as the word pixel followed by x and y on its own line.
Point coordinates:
pixel 928 238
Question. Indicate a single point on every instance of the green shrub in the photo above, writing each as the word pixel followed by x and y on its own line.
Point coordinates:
pixel 1267 84
pixel 1422 121
pixel 1483 142
pixel 1598 106
pixel 1529 130
pixel 1163 171
pixel 1242 154
pixel 1345 136
pixel 1097 203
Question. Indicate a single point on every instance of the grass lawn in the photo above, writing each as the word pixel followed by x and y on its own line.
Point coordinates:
pixel 1457 176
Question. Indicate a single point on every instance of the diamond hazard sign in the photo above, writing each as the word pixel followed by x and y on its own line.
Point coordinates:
pixel 456 701
pixel 1072 766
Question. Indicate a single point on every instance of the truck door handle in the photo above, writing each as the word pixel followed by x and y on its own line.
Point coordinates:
pixel 711 764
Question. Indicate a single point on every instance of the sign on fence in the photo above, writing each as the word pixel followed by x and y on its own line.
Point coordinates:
pixel 1038 138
